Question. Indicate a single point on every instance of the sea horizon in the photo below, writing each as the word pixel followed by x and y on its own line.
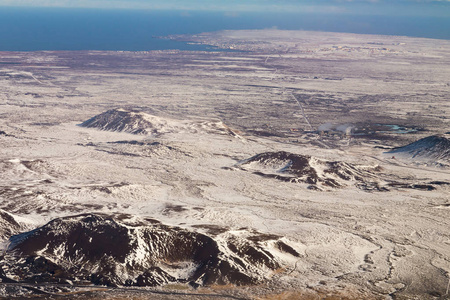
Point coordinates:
pixel 53 29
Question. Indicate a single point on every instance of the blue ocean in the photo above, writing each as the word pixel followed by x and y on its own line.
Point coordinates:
pixel 32 29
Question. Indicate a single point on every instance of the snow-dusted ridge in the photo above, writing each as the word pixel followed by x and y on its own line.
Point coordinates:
pixel 123 250
pixel 136 122
pixel 434 149
pixel 307 169
pixel 319 173
pixel 8 225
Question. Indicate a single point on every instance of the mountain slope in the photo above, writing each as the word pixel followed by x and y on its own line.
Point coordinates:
pixel 310 170
pixel 8 225
pixel 432 148
pixel 122 250
pixel 122 120
pixel 128 121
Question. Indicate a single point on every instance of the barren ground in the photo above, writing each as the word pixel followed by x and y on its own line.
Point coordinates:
pixel 335 97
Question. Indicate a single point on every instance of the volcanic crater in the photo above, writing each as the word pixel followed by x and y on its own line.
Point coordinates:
pixel 120 250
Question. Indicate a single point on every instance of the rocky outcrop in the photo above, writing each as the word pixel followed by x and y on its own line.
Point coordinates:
pixel 121 250
pixel 126 121
pixel 317 173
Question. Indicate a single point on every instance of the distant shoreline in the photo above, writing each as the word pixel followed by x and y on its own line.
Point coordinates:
pixel 51 29
pixel 212 42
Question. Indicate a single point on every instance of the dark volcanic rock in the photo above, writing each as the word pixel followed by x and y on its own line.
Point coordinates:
pixel 136 122
pixel 114 251
pixel 321 174
pixel 8 225
pixel 306 169
pixel 124 121
pixel 434 148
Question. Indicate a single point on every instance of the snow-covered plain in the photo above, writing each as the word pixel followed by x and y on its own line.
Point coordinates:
pixel 182 155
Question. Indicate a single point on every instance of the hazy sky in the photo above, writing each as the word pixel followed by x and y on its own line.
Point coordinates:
pixel 400 7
